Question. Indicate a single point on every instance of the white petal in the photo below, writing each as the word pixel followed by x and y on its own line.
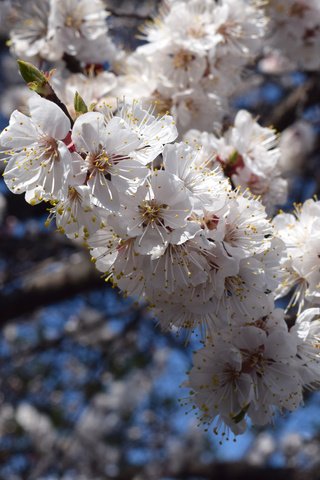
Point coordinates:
pixel 49 117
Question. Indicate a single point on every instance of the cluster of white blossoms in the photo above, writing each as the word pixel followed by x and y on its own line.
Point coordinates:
pixel 249 155
pixel 295 31
pixel 201 254
pixel 251 370
pixel 184 227
pixel 301 260
pixel 95 87
pixel 48 29
pixel 194 59
pixel 73 37
pixel 163 223
pixel 95 161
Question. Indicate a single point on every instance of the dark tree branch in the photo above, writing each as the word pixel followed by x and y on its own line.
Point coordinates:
pixel 131 15
pixel 42 288
pixel 221 471
pixel 295 103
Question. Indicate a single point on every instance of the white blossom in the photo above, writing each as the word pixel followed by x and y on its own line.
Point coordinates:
pixel 156 214
pixel 183 227
pixel 75 22
pixel 300 233
pixel 294 31
pixel 31 36
pixel 245 371
pixel 307 331
pixel 40 162
pixel 249 155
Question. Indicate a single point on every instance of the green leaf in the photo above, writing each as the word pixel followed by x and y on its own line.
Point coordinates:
pixel 79 104
pixel 92 106
pixel 233 157
pixel 31 74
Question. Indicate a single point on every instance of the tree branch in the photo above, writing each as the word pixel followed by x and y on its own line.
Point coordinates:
pixel 294 103
pixel 50 285
pixel 221 471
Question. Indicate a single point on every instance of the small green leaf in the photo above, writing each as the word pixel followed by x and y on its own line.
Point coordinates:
pixel 233 157
pixel 92 106
pixel 79 104
pixel 31 74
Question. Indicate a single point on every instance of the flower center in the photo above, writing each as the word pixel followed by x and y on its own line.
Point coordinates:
pixel 99 161
pixel 182 59
pixel 210 220
pixel 196 31
pixel 151 212
pixel 235 285
pixel 229 29
pixel 50 146
pixel 231 374
pixel 191 106
pixel 163 105
pixel 72 22
pixel 253 360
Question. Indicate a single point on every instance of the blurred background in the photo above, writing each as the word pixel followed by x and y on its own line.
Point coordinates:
pixel 90 386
